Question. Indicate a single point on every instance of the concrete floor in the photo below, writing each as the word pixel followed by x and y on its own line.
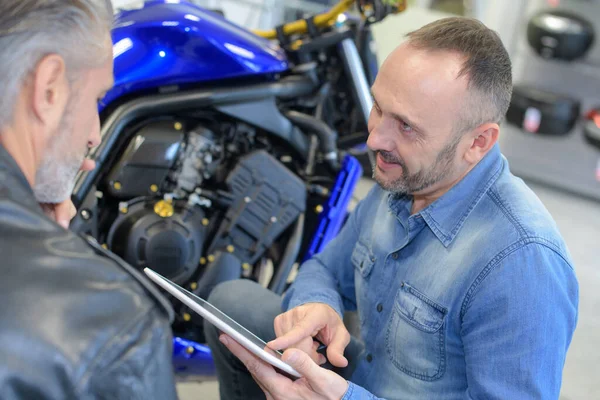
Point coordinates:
pixel 579 222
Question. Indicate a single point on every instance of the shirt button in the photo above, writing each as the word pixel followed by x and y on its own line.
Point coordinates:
pixel 395 255
pixel 379 307
pixel 369 358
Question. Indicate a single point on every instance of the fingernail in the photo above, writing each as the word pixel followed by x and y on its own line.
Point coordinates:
pixel 64 223
pixel 223 340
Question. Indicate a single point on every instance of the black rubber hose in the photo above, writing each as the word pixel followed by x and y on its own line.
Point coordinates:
pixel 327 137
pixel 290 255
pixel 322 95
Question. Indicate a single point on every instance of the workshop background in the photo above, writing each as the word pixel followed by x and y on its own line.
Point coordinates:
pixel 561 167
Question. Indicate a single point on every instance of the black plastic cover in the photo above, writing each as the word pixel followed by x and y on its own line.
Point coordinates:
pixel 542 112
pixel 146 161
pixel 268 199
pixel 170 246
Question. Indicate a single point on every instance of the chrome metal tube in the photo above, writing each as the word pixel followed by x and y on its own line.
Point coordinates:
pixel 356 74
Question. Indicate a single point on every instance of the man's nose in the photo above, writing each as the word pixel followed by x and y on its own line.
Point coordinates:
pixel 379 138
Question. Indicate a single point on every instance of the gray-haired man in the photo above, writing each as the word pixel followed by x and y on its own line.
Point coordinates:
pixel 74 322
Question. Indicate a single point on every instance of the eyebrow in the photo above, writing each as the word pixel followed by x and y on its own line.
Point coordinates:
pixel 401 117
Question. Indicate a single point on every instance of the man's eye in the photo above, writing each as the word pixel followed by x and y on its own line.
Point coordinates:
pixel 405 127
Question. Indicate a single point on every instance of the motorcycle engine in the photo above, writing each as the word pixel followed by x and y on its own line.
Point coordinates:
pixel 165 236
pixel 184 200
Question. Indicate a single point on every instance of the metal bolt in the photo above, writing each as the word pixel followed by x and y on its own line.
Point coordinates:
pixel 99 194
pixel 211 258
pixel 178 126
pixel 86 215
pixel 164 209
pixel 153 188
pixel 273 219
pixel 246 266
pixel 105 246
pixel 230 249
pixel 193 286
pixel 187 317
pixel 247 199
pixel 189 350
pixel 319 209
pixel 202 261
pixel 117 185
pixel 205 221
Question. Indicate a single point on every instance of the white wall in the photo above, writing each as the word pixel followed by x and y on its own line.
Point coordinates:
pixel 390 32
pixel 251 14
pixel 501 16
pixel 126 3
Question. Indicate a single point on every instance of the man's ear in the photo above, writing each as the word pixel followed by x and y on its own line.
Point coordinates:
pixel 50 91
pixel 483 138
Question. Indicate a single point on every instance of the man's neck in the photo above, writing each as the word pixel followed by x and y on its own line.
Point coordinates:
pixel 18 146
pixel 422 201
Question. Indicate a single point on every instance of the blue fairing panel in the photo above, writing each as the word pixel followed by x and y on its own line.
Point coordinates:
pixel 192 359
pixel 335 211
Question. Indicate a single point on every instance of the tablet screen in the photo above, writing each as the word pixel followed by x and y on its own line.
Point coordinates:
pixel 232 323
pixel 219 315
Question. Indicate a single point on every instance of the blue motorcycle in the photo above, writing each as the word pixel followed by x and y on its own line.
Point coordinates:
pixel 226 154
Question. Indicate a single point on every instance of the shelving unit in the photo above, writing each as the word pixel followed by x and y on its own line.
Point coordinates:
pixel 567 162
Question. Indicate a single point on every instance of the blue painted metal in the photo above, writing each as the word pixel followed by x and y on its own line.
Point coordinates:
pixel 335 211
pixel 192 359
pixel 174 42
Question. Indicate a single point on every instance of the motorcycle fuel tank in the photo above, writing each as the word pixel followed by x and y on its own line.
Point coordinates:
pixel 174 42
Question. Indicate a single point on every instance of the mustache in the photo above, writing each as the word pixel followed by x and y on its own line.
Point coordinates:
pixel 390 158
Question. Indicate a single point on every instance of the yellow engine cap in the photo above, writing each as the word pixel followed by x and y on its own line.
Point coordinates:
pixel 163 209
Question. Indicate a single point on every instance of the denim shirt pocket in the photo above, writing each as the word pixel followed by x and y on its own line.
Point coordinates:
pixel 415 338
pixel 363 259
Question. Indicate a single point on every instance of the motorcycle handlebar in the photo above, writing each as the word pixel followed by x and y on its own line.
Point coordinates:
pixel 327 18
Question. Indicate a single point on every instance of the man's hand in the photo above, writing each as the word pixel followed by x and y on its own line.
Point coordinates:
pixel 297 328
pixel 316 384
pixel 64 212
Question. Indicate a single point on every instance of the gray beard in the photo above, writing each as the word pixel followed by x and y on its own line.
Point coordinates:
pixel 55 180
pixel 408 184
pixel 55 177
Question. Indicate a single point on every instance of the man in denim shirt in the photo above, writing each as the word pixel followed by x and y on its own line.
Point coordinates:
pixel 463 284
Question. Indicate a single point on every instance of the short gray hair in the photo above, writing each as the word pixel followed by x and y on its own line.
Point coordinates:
pixel 486 64
pixel 31 29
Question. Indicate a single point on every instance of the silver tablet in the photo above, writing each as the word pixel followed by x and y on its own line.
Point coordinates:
pixel 224 323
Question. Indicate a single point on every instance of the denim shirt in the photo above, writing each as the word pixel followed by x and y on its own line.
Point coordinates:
pixel 473 297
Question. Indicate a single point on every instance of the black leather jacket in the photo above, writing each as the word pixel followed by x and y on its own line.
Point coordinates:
pixel 75 321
